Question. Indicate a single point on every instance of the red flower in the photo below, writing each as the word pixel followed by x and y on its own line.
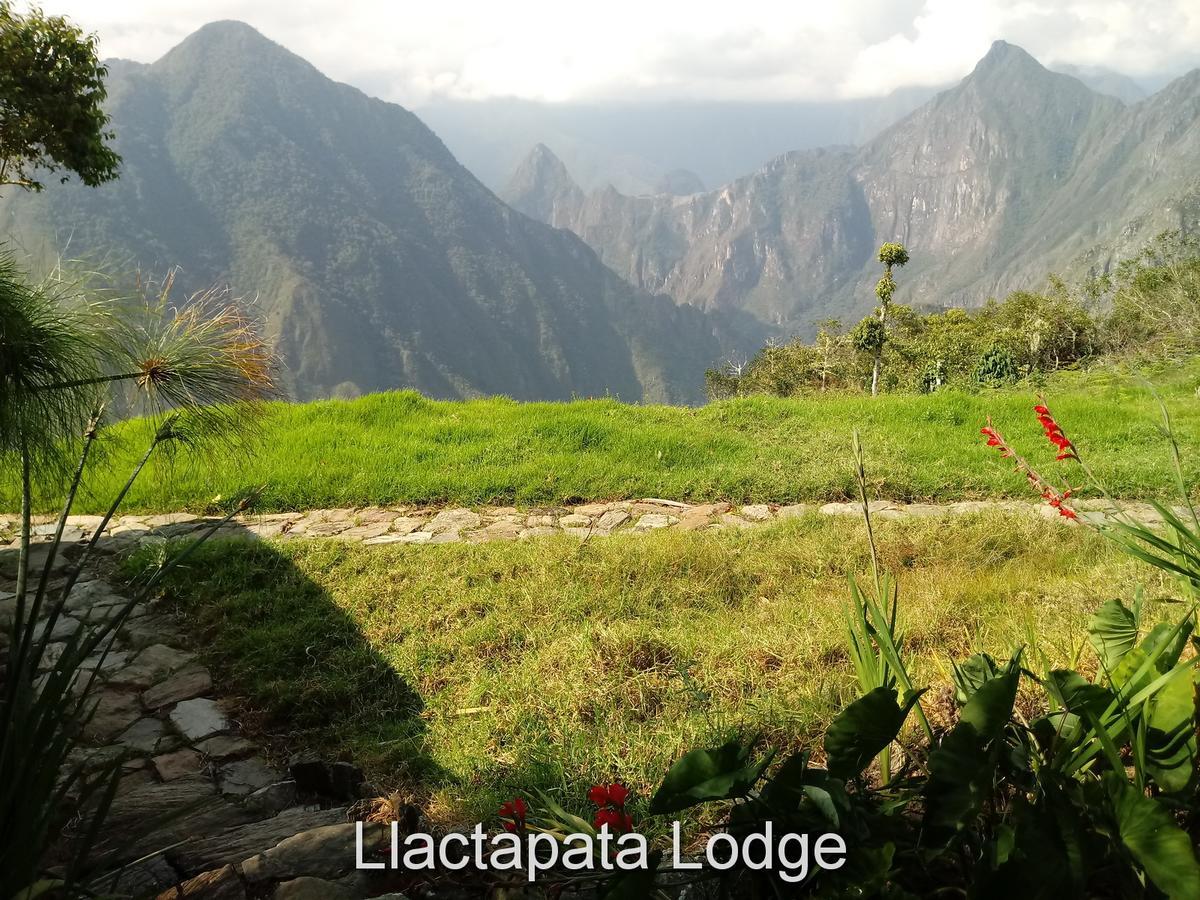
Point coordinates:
pixel 611 800
pixel 995 440
pixel 1066 451
pixel 605 794
pixel 617 794
pixel 1054 433
pixel 514 811
pixel 615 819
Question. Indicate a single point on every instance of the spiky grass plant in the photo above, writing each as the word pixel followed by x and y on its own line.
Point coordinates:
pixel 200 367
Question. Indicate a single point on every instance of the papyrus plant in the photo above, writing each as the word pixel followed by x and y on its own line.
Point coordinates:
pixel 66 356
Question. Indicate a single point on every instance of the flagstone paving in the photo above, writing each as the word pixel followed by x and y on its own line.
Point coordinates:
pixel 376 526
pixel 200 810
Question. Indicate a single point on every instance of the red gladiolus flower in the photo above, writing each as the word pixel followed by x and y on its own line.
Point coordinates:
pixel 611 800
pixel 1054 433
pixel 1066 451
pixel 514 811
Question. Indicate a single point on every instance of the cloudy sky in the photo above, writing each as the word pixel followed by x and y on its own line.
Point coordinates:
pixel 410 52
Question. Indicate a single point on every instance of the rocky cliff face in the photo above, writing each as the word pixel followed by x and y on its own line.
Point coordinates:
pixel 1015 172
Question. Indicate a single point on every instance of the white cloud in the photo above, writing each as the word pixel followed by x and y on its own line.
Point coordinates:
pixel 640 49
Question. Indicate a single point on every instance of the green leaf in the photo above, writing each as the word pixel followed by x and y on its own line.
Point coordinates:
pixel 1002 845
pixel 1172 718
pixel 38 889
pixel 1076 694
pixel 1158 652
pixel 968 677
pixel 1149 833
pixel 990 707
pixel 961 773
pixel 703 775
pixel 1113 632
pixel 864 728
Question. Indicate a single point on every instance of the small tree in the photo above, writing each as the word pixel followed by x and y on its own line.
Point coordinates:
pixel 827 342
pixel 51 101
pixel 870 338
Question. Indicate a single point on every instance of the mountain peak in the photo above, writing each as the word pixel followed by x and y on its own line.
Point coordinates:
pixel 542 188
pixel 541 165
pixel 226 30
pixel 225 41
pixel 1006 58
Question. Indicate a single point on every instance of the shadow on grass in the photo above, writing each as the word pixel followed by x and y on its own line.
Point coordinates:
pixel 297 666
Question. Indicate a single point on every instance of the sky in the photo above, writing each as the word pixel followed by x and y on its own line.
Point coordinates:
pixel 630 50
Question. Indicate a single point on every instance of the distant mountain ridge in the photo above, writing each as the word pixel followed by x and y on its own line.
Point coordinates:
pixel 1013 173
pixel 378 261
pixel 634 145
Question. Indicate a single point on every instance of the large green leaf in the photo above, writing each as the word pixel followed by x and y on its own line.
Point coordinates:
pixel 795 781
pixel 1149 833
pixel 1157 654
pixel 963 768
pixel 971 674
pixel 990 707
pixel 961 774
pixel 1076 694
pixel 1172 718
pixel 864 728
pixel 1113 632
pixel 701 775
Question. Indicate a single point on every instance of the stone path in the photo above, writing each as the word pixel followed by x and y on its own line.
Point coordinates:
pixel 374 526
pixel 242 827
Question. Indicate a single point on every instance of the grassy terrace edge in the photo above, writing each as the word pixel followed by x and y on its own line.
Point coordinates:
pixel 400 448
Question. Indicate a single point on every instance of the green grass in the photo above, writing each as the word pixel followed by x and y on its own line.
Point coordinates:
pixel 397 448
pixel 465 674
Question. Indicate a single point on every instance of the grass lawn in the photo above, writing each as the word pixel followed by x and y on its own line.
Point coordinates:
pixel 465 674
pixel 398 448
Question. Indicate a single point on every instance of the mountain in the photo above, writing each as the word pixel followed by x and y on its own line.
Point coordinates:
pixel 1107 81
pixel 1014 172
pixel 378 261
pixel 633 146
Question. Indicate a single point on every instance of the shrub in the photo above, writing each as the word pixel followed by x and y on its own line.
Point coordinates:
pixel 997 366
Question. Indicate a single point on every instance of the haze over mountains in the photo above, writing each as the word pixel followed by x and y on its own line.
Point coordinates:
pixel 637 146
pixel 379 261
pixel 1015 172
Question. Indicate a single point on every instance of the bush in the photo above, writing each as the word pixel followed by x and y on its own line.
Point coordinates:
pixel 997 366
